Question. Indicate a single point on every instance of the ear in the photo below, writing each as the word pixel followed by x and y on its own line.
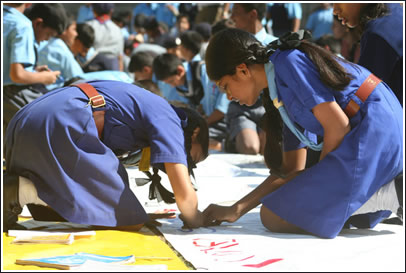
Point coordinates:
pixel 36 22
pixel 253 14
pixel 147 69
pixel 196 132
pixel 242 70
pixel 180 70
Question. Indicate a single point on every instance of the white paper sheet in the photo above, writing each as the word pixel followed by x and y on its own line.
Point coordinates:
pixel 247 246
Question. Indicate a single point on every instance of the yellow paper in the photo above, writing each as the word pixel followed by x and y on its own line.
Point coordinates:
pixel 106 242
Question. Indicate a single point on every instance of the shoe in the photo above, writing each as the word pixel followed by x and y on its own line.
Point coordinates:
pixel 11 205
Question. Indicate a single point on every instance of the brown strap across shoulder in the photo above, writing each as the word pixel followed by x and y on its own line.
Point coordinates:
pixel 95 100
pixel 362 93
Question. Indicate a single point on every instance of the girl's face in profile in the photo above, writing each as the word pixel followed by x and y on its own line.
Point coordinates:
pixel 240 87
pixel 348 13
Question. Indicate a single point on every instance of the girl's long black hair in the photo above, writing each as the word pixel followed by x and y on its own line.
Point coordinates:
pixel 231 47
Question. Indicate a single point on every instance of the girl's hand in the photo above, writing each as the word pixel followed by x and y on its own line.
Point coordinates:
pixel 215 214
pixel 153 217
pixel 196 223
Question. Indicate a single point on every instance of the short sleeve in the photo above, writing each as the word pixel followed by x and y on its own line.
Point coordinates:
pixel 295 11
pixel 165 135
pixel 298 80
pixel 23 50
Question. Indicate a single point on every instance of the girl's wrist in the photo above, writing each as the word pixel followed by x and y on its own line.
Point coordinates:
pixel 237 210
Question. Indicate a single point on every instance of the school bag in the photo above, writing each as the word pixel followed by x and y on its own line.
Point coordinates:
pixel 195 90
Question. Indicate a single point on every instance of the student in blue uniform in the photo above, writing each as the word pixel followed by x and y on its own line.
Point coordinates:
pixel 57 55
pixel 380 30
pixel 23 80
pixel 317 94
pixel 61 153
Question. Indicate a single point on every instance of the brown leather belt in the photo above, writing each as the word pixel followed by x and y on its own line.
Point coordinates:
pixel 95 100
pixel 362 93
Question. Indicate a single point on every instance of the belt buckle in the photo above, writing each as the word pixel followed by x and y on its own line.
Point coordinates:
pixel 97 101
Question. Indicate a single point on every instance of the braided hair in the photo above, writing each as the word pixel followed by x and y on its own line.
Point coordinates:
pixel 230 47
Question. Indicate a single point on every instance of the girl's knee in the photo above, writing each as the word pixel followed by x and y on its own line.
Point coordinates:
pixel 270 220
pixel 275 223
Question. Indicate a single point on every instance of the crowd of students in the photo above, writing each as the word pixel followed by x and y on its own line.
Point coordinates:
pixel 163 48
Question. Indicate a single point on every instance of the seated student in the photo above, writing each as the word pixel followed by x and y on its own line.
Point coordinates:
pixel 90 59
pixel 204 29
pixel 182 25
pixel 122 20
pixel 154 30
pixel 309 92
pixel 108 38
pixel 141 65
pixel 57 55
pixel 192 82
pixel 172 44
pixel 62 152
pixel 23 81
pixel 190 44
pixel 140 34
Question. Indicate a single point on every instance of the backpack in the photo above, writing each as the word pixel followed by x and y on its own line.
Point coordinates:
pixel 195 90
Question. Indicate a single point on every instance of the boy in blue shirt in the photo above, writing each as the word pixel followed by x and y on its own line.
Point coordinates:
pixel 57 55
pixel 23 81
pixel 193 82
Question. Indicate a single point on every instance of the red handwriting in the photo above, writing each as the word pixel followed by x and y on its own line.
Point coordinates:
pixel 217 249
pixel 265 263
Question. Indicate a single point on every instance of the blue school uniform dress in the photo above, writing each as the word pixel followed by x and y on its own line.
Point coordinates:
pixel 322 198
pixel 382 48
pixel 54 142
pixel 57 55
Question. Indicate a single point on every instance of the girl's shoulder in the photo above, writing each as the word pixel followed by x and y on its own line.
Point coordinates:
pixel 290 56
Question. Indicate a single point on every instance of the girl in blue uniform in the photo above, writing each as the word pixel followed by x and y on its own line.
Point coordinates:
pixel 54 143
pixel 314 91
pixel 380 30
